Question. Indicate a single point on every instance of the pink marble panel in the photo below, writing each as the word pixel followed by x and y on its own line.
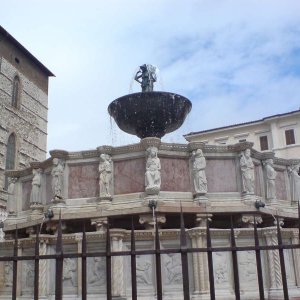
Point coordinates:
pixel 257 181
pixel 280 186
pixel 49 194
pixel 175 175
pixel 83 181
pixel 129 176
pixel 221 175
pixel 26 191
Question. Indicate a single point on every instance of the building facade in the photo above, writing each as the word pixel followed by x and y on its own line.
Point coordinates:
pixel 23 107
pixel 279 133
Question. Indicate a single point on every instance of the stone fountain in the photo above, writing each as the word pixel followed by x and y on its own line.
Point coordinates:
pixel 125 186
pixel 149 113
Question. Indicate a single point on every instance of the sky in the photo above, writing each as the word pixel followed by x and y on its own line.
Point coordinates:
pixel 237 61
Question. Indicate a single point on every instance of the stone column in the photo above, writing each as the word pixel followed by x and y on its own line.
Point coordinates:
pixel 196 263
pixel 117 264
pixel 202 260
pixel 200 266
pixel 78 239
pixel 273 261
pixel 296 256
pixel 43 267
pixel 19 272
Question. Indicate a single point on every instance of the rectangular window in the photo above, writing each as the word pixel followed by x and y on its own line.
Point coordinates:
pixel 263 140
pixel 290 137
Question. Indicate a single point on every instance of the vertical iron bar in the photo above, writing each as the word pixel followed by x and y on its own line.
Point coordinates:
pixel 258 264
pixel 36 265
pixel 234 262
pixel 133 264
pixel 59 263
pixel 15 267
pixel 184 258
pixel 210 263
pixel 158 263
pixel 83 265
pixel 108 265
pixel 282 264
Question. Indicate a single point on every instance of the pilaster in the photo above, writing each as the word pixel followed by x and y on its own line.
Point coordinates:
pixel 273 264
pixel 78 239
pixel 43 267
pixel 296 256
pixel 117 265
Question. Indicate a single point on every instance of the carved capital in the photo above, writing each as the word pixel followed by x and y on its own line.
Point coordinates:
pixel 149 222
pixel 247 221
pixel 280 221
pixel 201 220
pixel 100 224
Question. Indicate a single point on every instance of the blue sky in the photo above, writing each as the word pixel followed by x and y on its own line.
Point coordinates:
pixel 236 61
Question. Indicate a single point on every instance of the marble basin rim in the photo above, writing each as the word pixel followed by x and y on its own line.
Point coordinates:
pixel 150 114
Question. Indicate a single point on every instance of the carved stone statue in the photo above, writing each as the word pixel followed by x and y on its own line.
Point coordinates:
pixel 247 168
pixel 35 196
pixel 146 76
pixel 57 178
pixel 199 177
pixel 295 182
pixel 11 200
pixel 271 176
pixel 105 170
pixel 152 175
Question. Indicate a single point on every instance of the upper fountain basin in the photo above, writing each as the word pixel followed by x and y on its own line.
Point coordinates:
pixel 150 114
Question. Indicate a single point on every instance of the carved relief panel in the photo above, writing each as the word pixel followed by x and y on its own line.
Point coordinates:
pixel 27 277
pixel 96 271
pixel 70 272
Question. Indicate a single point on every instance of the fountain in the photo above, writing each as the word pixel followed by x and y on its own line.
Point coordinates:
pixel 149 113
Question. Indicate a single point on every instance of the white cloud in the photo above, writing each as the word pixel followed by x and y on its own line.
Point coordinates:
pixel 236 60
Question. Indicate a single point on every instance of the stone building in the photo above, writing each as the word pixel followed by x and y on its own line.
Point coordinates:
pixel 23 107
pixel 279 133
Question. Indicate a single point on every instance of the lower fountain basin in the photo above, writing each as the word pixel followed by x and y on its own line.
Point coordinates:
pixel 150 114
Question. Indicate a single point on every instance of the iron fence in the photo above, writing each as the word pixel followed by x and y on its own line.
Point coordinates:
pixel 183 250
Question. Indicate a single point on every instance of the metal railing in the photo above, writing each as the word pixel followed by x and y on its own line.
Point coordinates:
pixel 183 250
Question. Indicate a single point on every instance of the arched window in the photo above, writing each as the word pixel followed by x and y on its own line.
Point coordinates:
pixel 16 92
pixel 10 155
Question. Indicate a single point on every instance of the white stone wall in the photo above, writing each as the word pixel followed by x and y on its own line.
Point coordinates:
pixel 28 122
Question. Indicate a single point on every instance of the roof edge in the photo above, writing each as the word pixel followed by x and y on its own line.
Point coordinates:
pixel 241 124
pixel 23 49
